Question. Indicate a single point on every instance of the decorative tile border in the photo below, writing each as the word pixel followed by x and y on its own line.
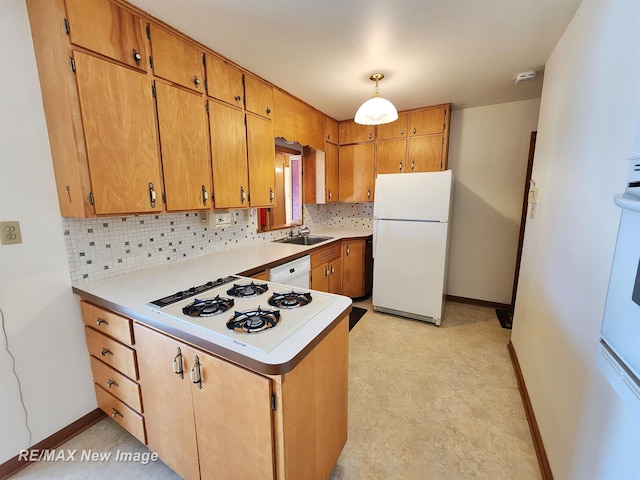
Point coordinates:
pixel 105 247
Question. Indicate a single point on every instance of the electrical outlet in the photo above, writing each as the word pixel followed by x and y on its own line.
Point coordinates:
pixel 223 219
pixel 10 233
pixel 204 218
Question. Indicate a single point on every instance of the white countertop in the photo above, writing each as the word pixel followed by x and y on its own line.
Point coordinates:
pixel 127 294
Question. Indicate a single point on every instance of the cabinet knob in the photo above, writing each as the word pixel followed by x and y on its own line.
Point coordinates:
pixel 401 132
pixel 400 166
pixel 370 136
pixel 196 81
pixel 271 194
pixel 412 165
pixel 347 250
pixel 136 56
pixel 369 193
pixel 329 194
pixel 268 111
pixel 414 131
pixel 237 98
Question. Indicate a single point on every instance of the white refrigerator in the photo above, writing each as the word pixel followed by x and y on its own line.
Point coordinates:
pixel 411 216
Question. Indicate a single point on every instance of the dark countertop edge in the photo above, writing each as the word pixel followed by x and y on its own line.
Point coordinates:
pixel 295 256
pixel 212 348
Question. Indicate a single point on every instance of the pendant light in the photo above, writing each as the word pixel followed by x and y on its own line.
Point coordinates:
pixel 376 110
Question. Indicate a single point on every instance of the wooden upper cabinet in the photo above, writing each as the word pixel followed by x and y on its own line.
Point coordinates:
pixel 426 154
pixel 330 130
pixel 259 96
pixel 357 173
pixel 331 173
pixel 428 121
pixel 352 132
pixel 397 129
pixel 121 140
pixel 261 159
pixel 224 81
pixel 228 156
pixel 107 29
pixel 391 156
pixel 296 121
pixel 176 60
pixel 185 149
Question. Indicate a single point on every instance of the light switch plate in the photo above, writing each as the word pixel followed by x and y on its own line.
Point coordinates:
pixel 10 233
pixel 223 219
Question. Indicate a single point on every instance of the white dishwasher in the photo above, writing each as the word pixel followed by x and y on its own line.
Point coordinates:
pixel 294 273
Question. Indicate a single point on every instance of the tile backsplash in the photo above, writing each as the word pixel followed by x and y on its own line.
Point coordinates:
pixel 105 247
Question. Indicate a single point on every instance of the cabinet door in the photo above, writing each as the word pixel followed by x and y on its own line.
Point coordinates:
pixel 233 422
pixel 121 140
pixel 331 169
pixel 105 28
pixel 353 268
pixel 425 154
pixel 356 173
pixel 176 60
pixel 352 132
pixel 184 145
pixel 166 397
pixel 259 96
pixel 335 276
pixel 261 158
pixel 320 277
pixel 397 129
pixel 391 156
pixel 330 130
pixel 224 81
pixel 427 121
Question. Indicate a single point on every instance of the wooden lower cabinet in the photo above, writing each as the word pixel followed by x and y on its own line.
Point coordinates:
pixel 353 262
pixel 208 418
pixel 326 269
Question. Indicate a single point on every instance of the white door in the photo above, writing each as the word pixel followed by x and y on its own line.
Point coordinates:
pixel 409 266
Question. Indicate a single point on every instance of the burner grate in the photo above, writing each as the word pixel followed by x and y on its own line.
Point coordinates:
pixel 248 289
pixel 290 299
pixel 208 307
pixel 253 321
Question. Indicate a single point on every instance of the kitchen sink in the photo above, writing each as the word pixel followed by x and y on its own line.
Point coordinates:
pixel 303 240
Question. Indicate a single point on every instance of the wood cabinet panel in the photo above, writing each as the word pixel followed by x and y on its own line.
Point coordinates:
pixel 425 154
pixel 335 276
pixel 258 96
pixel 224 81
pixel 129 419
pixel 107 322
pixel 113 353
pixel 397 129
pixel 228 156
pixel 353 261
pixel 391 156
pixel 167 400
pixel 121 141
pixel 330 130
pixel 331 173
pixel 352 132
pixel 176 60
pixel 116 383
pixel 261 160
pixel 357 172
pixel 296 121
pixel 233 408
pixel 326 269
pixel 105 28
pixel 427 121
pixel 185 148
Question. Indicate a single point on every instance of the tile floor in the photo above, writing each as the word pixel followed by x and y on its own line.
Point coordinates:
pixel 425 403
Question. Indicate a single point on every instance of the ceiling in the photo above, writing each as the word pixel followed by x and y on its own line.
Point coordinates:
pixel 467 52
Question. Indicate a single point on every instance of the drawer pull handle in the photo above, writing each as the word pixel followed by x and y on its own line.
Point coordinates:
pixel 178 369
pixel 115 413
pixel 105 352
pixel 111 383
pixel 195 373
pixel 101 321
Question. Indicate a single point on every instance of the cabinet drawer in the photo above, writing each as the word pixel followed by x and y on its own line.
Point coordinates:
pixel 325 255
pixel 107 322
pixel 117 384
pixel 131 421
pixel 113 353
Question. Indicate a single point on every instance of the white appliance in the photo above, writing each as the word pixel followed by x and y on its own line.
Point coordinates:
pixel 294 273
pixel 619 353
pixel 411 214
pixel 250 313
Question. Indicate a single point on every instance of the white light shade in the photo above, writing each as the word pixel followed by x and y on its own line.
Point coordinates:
pixel 376 111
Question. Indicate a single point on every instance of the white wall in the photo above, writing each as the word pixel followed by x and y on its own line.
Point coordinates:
pixel 590 108
pixel 41 314
pixel 489 148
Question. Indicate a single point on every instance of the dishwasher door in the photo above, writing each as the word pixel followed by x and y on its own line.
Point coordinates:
pixel 294 273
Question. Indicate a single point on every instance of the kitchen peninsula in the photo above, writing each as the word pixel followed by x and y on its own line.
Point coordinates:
pixel 182 390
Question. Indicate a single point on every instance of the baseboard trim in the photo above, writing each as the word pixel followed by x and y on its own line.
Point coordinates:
pixel 475 301
pixel 13 465
pixel 543 461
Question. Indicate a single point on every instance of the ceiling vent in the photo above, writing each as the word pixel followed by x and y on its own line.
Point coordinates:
pixel 525 76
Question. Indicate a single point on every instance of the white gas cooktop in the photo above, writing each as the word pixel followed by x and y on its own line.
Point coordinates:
pixel 247 311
